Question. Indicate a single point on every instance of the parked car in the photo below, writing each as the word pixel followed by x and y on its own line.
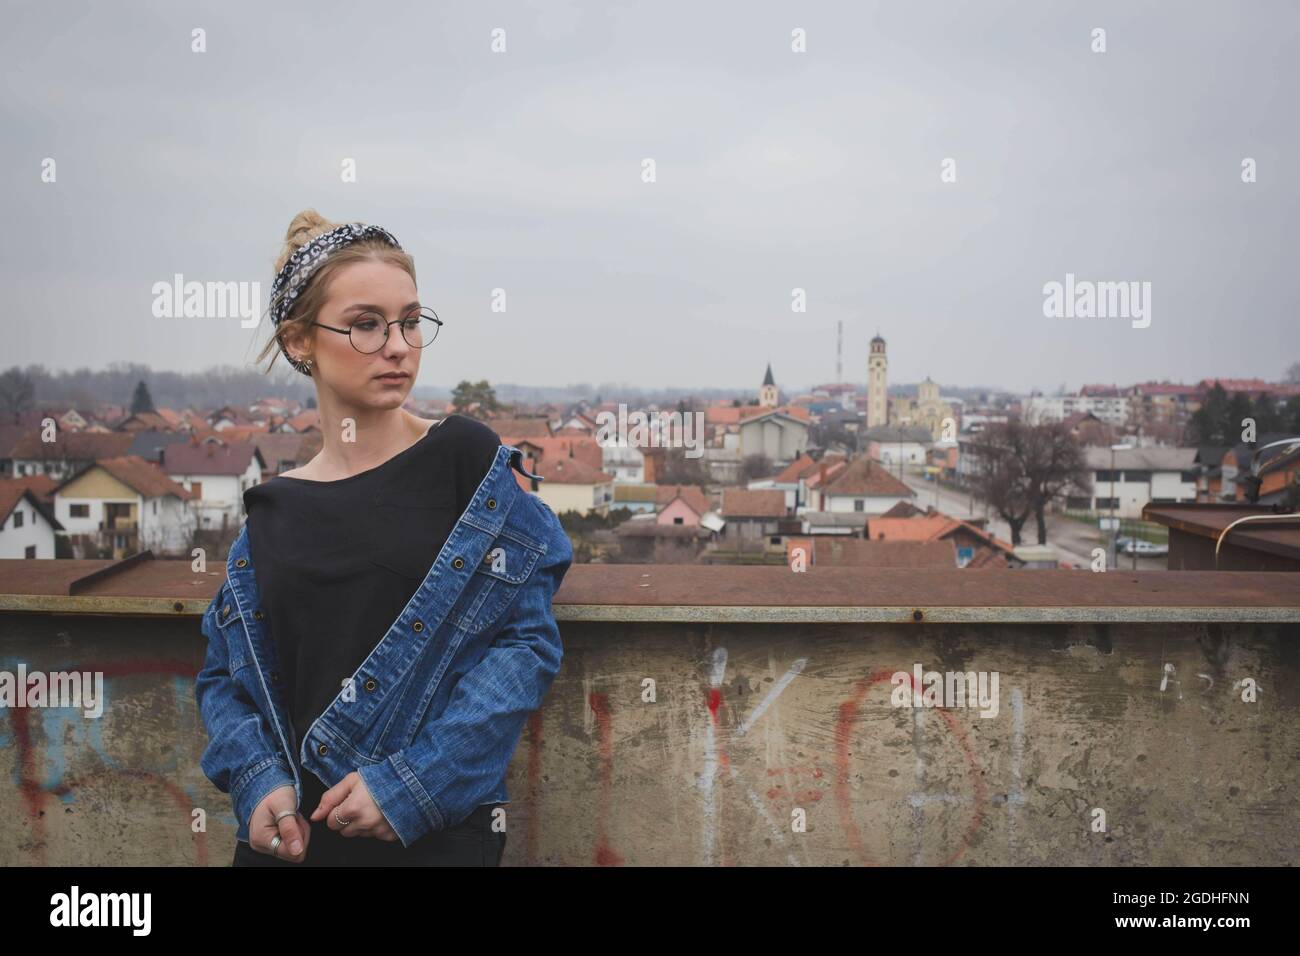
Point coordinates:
pixel 1145 549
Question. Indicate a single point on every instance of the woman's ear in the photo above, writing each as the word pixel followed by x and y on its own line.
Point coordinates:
pixel 297 341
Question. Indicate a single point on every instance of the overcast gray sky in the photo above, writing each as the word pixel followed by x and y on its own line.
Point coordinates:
pixel 775 170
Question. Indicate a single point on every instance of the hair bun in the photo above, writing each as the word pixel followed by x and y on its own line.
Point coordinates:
pixel 303 228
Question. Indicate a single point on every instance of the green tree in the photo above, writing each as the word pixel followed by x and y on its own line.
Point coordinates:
pixel 468 394
pixel 141 401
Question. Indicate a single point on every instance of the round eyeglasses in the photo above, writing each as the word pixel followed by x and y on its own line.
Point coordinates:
pixel 369 330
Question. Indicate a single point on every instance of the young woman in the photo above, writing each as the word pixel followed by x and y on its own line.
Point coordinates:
pixel 321 663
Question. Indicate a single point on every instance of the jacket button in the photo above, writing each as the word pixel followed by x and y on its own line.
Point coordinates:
pixel 418 626
pixel 370 684
pixel 322 749
pixel 258 615
pixel 491 503
pixel 458 563
pixel 241 562
pixel 225 611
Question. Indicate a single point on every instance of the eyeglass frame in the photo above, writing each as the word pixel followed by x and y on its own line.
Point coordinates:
pixel 387 325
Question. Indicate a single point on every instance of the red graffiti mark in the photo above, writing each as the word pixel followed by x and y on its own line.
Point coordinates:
pixel 604 854
pixel 534 783
pixel 843 794
pixel 724 761
pixel 778 792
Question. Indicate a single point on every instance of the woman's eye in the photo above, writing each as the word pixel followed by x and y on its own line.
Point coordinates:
pixel 365 325
pixel 411 323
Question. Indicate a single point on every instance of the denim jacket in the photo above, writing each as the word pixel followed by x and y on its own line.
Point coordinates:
pixel 432 716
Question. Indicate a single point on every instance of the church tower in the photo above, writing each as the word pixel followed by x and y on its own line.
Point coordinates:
pixel 877 386
pixel 767 392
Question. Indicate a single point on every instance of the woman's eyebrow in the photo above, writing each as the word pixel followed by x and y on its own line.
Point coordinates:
pixel 374 308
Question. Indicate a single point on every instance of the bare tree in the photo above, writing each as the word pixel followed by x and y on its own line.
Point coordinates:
pixel 1022 468
pixel 17 392
pixel 999 477
pixel 680 470
pixel 755 466
pixel 1054 463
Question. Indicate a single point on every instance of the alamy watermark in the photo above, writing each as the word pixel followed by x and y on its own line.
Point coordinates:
pixel 81 689
pixel 923 688
pixel 1098 300
pixel 651 430
pixel 179 299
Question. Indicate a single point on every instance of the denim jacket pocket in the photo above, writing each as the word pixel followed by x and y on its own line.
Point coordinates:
pixel 495 584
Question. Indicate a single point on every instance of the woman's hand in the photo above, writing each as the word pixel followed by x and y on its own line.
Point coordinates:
pixel 355 805
pixel 293 831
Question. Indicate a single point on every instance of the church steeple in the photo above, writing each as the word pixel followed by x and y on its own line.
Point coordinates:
pixel 767 395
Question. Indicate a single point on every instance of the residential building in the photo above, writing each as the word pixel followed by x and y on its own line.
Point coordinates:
pixel 123 505
pixel 571 484
pixel 27 524
pixel 754 518
pixel 67 453
pixel 218 473
pixel 1140 476
pixel 865 486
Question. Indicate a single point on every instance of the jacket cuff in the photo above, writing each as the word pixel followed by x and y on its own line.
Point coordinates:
pixel 401 798
pixel 255 783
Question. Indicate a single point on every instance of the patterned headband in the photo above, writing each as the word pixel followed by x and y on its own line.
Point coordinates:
pixel 303 264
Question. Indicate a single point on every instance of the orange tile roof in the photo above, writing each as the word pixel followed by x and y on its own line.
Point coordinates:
pixel 753 503
pixel 139 475
pixel 694 497
pixel 868 478
pixel 570 471
pixel 520 427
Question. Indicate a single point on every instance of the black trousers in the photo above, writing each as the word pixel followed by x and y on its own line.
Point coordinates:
pixel 470 843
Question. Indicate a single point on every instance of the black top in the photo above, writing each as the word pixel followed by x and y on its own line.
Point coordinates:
pixel 336 562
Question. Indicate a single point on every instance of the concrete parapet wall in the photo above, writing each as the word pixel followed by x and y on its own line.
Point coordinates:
pixel 753 728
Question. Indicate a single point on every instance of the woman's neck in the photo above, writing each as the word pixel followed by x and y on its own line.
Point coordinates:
pixel 358 441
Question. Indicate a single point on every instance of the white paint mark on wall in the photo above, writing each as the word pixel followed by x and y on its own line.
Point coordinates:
pixel 795 670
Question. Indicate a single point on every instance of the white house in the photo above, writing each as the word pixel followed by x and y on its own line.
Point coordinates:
pixel 124 505
pixel 27 526
pixel 888 444
pixel 864 486
pixel 1140 476
pixel 626 462
pixel 218 473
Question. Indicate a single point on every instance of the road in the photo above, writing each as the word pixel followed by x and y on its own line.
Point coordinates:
pixel 1072 540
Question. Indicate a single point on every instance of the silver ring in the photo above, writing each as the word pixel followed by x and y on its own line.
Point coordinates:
pixel 341 821
pixel 275 842
pixel 284 813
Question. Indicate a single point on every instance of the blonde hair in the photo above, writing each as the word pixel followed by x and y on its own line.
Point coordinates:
pixel 305 227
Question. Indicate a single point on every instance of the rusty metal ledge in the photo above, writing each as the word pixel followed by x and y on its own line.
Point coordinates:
pixel 693 593
pixel 724 614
